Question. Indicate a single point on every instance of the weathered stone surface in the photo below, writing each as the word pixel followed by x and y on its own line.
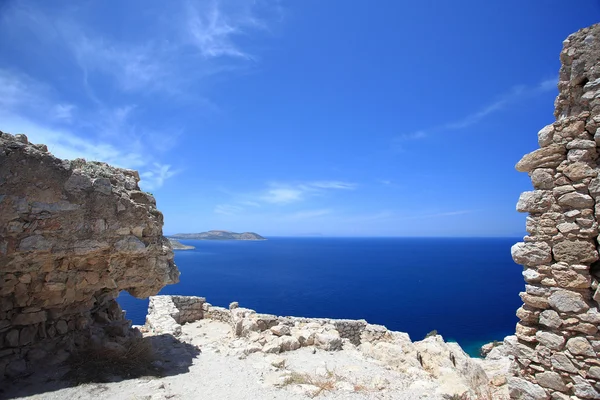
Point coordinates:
pixel 521 389
pixel 579 170
pixel 580 346
pixel 531 254
pixel 562 363
pixel 66 248
pixel 576 200
pixel 584 389
pixel 550 156
pixel 551 380
pixel 575 252
pixel 537 201
pixel 545 135
pixel 550 340
pixel 567 301
pixel 542 178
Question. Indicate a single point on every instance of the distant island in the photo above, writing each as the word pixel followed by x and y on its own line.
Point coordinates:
pixel 176 245
pixel 219 235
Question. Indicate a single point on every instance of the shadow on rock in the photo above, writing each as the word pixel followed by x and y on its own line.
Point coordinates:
pixel 153 356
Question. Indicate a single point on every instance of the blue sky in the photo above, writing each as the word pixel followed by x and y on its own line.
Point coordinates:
pixel 345 118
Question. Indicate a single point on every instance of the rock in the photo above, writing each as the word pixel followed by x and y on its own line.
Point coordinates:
pixel 551 341
pixel 542 178
pixel 567 301
pixel 580 346
pixel 531 254
pixel 551 380
pixel 278 362
pixel 550 156
pixel 16 368
pixel 579 170
pixel 289 343
pixel 563 363
pixel 546 135
pixel 74 236
pixel 328 342
pixel 537 201
pixel 29 318
pixel 272 347
pixel 523 390
pixel 594 372
pixel 253 348
pixel 550 318
pixel 280 330
pixel 234 305
pixel 584 389
pixel 575 252
pixel 576 200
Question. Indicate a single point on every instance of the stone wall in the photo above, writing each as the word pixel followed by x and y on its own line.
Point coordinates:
pixel 251 332
pixel 73 234
pixel 557 346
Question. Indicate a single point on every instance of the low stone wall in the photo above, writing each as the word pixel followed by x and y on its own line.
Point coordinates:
pixel 166 314
pixel 252 332
pixel 73 234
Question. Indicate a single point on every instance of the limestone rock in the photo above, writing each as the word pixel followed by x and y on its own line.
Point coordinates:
pixel 581 347
pixel 531 254
pixel 567 301
pixel 551 380
pixel 537 201
pixel 550 156
pixel 574 252
pixel 523 390
pixel 73 234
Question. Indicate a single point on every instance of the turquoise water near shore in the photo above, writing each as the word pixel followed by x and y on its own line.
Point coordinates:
pixel 465 288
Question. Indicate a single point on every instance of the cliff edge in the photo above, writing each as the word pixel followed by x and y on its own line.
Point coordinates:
pixel 73 234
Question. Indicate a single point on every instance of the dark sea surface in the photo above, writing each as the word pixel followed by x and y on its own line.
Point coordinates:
pixel 465 288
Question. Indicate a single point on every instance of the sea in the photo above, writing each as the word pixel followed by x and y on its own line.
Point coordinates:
pixel 464 288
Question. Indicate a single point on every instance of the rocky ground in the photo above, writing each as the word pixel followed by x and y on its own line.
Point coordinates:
pixel 209 361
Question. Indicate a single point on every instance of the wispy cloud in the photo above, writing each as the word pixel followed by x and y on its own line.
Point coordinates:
pixel 514 95
pixel 156 176
pixel 283 195
pixel 180 45
pixel 331 185
pixel 279 193
pixel 213 31
pixel 36 112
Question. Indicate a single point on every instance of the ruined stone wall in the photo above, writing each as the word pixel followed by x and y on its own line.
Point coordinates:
pixel 556 355
pixel 73 234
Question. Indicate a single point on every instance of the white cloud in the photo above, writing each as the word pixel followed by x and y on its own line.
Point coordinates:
pixel 156 176
pixel 212 32
pixel 283 195
pixel 64 144
pixel 514 95
pixel 331 185
pixel 64 112
pixel 34 112
pixel 279 193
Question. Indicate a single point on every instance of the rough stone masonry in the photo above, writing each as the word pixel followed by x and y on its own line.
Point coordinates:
pixel 73 234
pixel 558 342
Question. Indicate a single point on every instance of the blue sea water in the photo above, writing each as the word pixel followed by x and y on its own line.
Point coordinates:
pixel 465 288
